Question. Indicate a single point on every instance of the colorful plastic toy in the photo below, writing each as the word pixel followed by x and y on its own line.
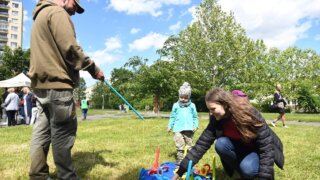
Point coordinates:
pixel 167 170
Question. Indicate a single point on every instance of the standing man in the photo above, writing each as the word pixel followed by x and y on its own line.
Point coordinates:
pixel 55 62
pixel 84 104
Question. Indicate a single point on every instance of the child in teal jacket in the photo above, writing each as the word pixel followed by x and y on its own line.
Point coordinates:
pixel 183 121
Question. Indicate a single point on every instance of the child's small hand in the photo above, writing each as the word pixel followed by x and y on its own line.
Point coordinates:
pixel 169 130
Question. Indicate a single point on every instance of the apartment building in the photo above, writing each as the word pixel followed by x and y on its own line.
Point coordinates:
pixel 11 24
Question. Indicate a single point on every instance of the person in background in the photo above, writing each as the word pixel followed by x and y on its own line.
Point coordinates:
pixel 1 106
pixel 244 142
pixel 4 96
pixel 183 121
pixel 55 61
pixel 11 105
pixel 34 110
pixel 27 97
pixel 84 104
pixel 21 119
pixel 280 105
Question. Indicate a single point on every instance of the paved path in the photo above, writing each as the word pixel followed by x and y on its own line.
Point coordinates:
pixel 166 116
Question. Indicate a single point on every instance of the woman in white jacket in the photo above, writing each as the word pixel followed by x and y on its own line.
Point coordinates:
pixel 12 106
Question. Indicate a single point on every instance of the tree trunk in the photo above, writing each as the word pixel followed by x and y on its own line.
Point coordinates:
pixel 156 104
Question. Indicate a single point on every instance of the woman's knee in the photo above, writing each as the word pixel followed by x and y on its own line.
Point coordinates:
pixel 249 169
pixel 222 144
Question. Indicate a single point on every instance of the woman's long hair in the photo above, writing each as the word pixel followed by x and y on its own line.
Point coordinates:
pixel 240 112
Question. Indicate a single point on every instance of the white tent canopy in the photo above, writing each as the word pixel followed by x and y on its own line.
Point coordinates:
pixel 18 81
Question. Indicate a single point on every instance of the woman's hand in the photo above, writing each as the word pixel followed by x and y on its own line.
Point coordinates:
pixel 175 177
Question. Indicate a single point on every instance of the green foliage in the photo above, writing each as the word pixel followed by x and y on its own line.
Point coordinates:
pixel 100 96
pixel 308 100
pixel 13 62
pixel 214 51
pixel 79 92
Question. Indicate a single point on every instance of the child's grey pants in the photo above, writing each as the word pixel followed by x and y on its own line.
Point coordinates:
pixel 182 139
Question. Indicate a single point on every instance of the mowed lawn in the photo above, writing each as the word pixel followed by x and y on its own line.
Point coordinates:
pixel 118 148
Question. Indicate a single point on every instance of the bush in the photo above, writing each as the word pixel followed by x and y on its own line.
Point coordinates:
pixel 308 100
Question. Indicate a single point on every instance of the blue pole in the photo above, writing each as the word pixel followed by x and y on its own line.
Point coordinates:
pixel 134 110
pixel 189 170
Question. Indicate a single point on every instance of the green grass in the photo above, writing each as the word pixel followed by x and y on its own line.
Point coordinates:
pixel 294 117
pixel 119 148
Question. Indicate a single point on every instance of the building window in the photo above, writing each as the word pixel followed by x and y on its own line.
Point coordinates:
pixel 15 13
pixel 3 37
pixel 14 20
pixel 3 27
pixel 15 5
pixel 14 44
pixel 14 28
pixel 14 36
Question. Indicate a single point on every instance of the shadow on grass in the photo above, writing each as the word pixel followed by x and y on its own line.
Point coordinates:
pixel 85 161
pixel 221 175
pixel 130 174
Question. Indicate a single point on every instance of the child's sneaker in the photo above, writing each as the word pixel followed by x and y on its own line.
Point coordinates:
pixel 285 126
pixel 272 123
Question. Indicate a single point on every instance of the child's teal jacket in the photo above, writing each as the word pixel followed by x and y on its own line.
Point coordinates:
pixel 183 118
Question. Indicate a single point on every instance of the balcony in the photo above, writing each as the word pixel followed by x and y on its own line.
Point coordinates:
pixel 3 30
pixel 4 14
pixel 3 21
pixel 2 46
pixel 4 6
pixel 3 38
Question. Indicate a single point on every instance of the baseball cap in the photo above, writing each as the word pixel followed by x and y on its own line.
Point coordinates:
pixel 80 10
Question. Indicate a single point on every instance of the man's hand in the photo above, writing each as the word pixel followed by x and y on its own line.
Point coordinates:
pixel 175 177
pixel 100 76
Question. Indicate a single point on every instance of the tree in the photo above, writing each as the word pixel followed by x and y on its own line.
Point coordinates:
pixel 215 51
pixel 13 62
pixel 100 93
pixel 158 80
pixel 79 92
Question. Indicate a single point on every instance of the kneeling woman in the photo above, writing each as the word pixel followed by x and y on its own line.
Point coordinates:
pixel 244 141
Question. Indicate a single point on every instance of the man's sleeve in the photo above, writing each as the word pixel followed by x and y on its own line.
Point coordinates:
pixel 63 33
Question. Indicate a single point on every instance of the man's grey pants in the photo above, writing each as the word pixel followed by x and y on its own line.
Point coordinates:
pixel 56 124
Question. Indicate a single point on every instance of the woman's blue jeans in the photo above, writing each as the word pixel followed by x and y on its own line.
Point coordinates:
pixel 235 156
